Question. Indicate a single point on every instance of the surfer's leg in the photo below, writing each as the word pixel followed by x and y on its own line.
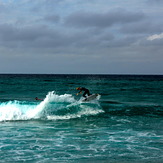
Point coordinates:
pixel 84 94
pixel 88 93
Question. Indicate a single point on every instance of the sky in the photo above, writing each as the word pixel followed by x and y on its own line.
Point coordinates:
pixel 81 36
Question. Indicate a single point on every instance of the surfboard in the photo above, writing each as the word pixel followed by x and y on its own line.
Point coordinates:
pixel 91 97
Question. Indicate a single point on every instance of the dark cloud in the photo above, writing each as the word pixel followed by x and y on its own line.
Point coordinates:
pixel 42 36
pixel 144 27
pixel 91 19
pixel 46 40
pixel 12 33
pixel 38 37
pixel 25 36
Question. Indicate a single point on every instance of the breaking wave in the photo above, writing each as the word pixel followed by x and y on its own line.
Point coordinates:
pixel 53 107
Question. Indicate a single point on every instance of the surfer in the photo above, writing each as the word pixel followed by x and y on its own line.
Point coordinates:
pixel 38 99
pixel 86 91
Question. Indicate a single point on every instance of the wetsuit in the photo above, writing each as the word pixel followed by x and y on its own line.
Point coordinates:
pixel 86 91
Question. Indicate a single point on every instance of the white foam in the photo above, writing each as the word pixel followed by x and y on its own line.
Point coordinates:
pixel 14 110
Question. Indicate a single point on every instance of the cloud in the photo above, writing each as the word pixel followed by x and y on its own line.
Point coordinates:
pixel 11 33
pixel 143 27
pixel 155 1
pixel 106 19
pixel 37 37
pixel 2 7
pixel 52 18
pixel 63 35
pixel 43 37
pixel 155 37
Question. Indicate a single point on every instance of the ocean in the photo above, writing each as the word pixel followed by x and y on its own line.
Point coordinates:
pixel 123 125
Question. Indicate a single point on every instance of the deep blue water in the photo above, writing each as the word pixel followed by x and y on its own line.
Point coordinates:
pixel 124 124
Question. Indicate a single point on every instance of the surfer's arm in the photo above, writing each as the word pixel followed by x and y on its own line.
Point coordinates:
pixel 79 93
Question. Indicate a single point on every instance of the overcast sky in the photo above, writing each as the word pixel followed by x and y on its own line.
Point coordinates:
pixel 81 36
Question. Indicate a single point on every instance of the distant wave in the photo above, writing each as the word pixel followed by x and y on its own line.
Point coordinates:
pixel 132 108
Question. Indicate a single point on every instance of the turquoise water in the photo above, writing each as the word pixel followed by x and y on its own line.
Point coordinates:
pixel 124 123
